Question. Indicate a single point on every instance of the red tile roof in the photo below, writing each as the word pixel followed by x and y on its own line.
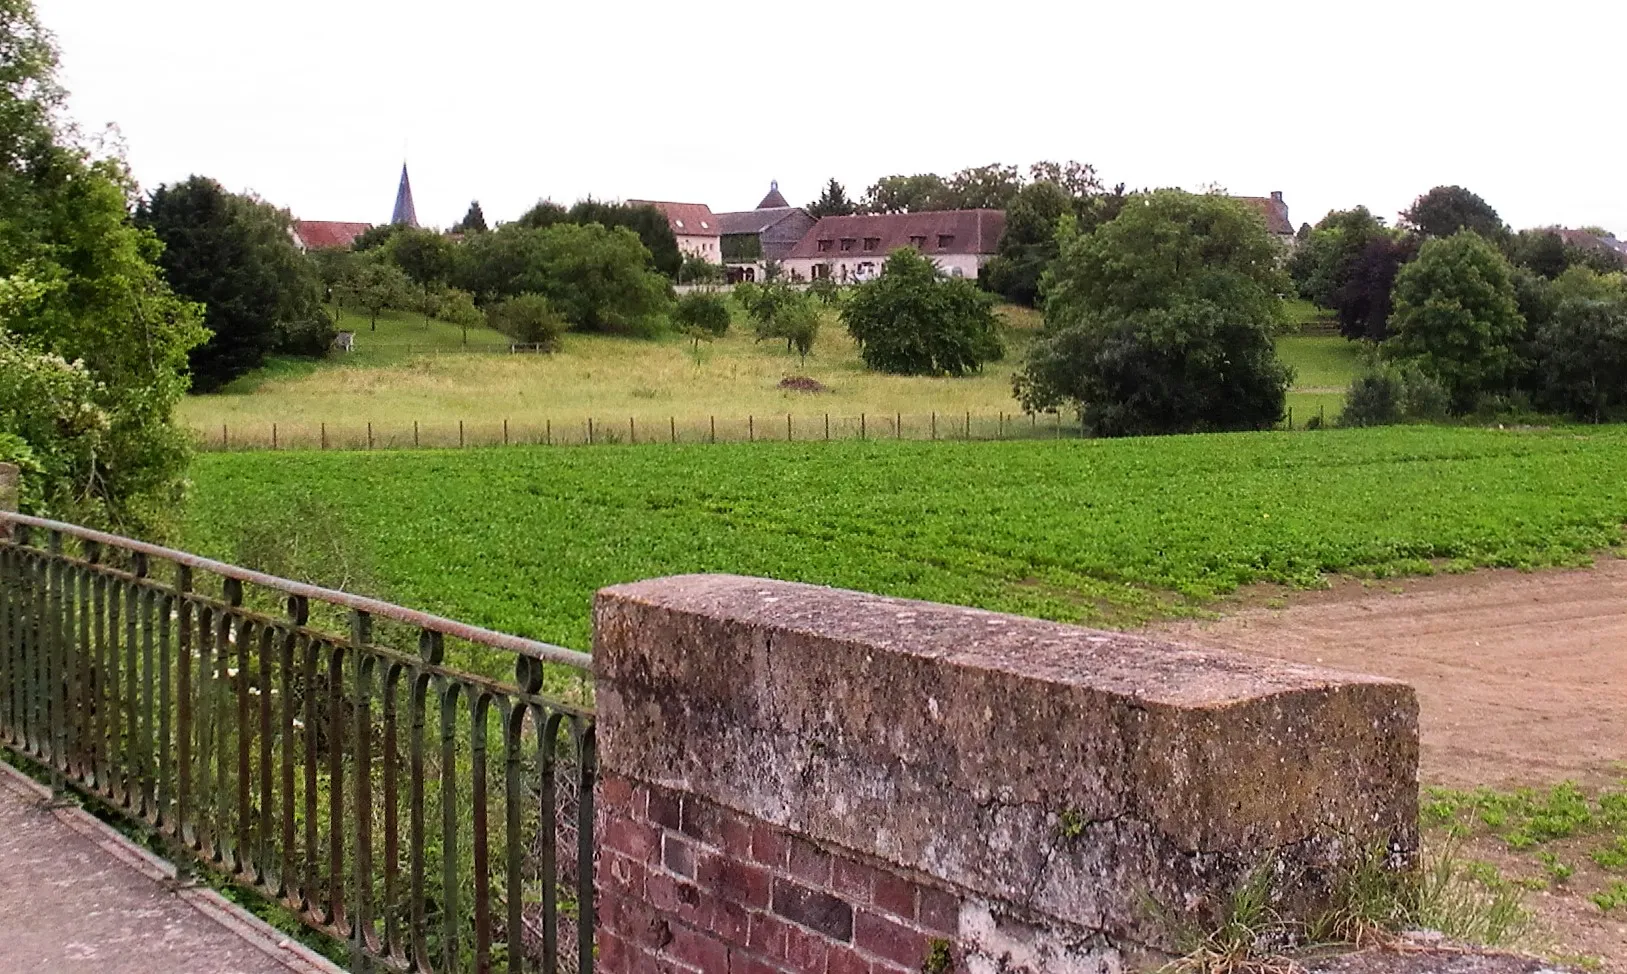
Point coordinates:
pixel 1274 210
pixel 327 235
pixel 971 232
pixel 686 219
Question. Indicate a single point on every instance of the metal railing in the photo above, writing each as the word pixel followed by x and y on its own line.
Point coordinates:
pixel 432 817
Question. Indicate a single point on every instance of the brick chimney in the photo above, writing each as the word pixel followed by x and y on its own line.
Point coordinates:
pixel 1276 196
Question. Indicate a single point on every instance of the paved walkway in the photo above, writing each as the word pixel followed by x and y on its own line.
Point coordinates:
pixel 78 898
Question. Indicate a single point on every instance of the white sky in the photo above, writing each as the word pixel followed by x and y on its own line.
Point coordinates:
pixel 311 103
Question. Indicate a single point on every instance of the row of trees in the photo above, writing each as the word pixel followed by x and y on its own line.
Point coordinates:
pixel 1469 315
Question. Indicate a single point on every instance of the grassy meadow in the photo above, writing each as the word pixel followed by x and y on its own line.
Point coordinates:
pixel 1096 531
pixel 409 372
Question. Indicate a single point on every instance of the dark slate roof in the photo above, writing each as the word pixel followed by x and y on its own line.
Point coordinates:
pixel 1274 210
pixel 974 232
pixel 754 221
pixel 686 219
pixel 773 201
pixel 405 212
pixel 326 234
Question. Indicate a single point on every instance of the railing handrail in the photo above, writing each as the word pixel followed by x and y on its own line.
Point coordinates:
pixel 545 652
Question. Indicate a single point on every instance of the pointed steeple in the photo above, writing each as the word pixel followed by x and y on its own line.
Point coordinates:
pixel 405 213
pixel 773 200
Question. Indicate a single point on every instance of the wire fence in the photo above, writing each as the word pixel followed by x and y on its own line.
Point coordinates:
pixel 637 430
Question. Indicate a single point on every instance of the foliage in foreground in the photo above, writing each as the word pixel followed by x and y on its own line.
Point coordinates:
pixel 519 539
pixel 84 308
pixel 914 321
pixel 1162 321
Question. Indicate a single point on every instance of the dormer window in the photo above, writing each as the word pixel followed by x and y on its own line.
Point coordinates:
pixel 679 223
pixel 918 242
pixel 945 240
pixel 848 242
pixel 824 246
pixel 871 243
pixel 705 225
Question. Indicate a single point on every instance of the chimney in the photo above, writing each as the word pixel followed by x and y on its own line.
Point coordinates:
pixel 1276 196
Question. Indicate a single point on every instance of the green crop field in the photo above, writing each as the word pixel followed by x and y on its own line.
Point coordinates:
pixel 409 372
pixel 1095 531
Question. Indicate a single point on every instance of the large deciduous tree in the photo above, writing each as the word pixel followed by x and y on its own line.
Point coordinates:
pixel 1029 244
pixel 914 321
pixel 1445 210
pixel 1162 320
pixel 1457 318
pixel 907 194
pixel 82 284
pixel 234 255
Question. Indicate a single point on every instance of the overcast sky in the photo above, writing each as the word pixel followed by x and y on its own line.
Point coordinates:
pixel 313 103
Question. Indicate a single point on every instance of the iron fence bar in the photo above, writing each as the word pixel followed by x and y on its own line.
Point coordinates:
pixel 195 713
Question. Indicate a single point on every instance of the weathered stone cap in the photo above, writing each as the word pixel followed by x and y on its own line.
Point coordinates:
pixel 1148 670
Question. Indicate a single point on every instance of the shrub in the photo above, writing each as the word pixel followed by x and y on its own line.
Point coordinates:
pixel 1388 395
pixel 528 319
pixel 1582 356
pixel 702 315
pixel 912 321
pixel 826 291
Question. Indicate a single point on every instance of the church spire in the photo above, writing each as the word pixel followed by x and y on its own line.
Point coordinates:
pixel 405 213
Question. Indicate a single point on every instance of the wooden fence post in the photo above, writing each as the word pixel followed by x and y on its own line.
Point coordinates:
pixel 369 435
pixel 898 426
pixel 632 431
pixel 415 434
pixel 751 429
pixel 827 426
pixel 861 426
pixel 674 421
pixel 934 424
pixel 714 429
pixel 590 431
pixel 505 432
pixel 273 436
pixel 460 434
pixel 787 427
pixel 225 441
pixel 324 436
pixel 548 431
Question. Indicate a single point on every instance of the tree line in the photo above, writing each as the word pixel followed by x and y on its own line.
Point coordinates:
pixel 1469 316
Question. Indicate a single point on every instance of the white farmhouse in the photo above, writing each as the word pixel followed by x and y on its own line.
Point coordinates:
pixel 695 226
pixel 854 248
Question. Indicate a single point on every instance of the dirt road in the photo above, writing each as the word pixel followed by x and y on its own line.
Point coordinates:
pixel 1521 677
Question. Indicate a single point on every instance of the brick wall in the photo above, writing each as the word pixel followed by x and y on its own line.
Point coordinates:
pixel 804 780
pixel 687 886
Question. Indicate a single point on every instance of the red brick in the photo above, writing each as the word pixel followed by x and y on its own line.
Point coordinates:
pixel 676 897
pixel 737 882
pixel 702 820
pixel 938 911
pixel 814 908
pixel 767 936
pixel 843 960
pixel 731 922
pixel 613 957
pixel 664 808
pixel 698 948
pixel 895 895
pixel 806 952
pixel 635 921
pixel 736 836
pixel 890 939
pixel 808 862
pixel 854 880
pixel 616 794
pixel 620 872
pixel 767 845
pixel 633 839
pixel 741 962
pixel 678 856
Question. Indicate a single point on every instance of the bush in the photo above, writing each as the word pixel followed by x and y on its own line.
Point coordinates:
pixel 51 426
pixel 912 321
pixel 1386 396
pixel 702 315
pixel 528 319
pixel 826 291
pixel 1582 359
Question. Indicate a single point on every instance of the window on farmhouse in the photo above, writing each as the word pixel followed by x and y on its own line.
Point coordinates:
pixel 918 242
pixel 847 243
pixel 871 243
pixel 945 240
pixel 824 246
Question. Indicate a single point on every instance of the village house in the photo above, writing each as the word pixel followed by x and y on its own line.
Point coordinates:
pixel 693 224
pixel 326 234
pixel 754 238
pixel 854 248
pixel 1275 212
